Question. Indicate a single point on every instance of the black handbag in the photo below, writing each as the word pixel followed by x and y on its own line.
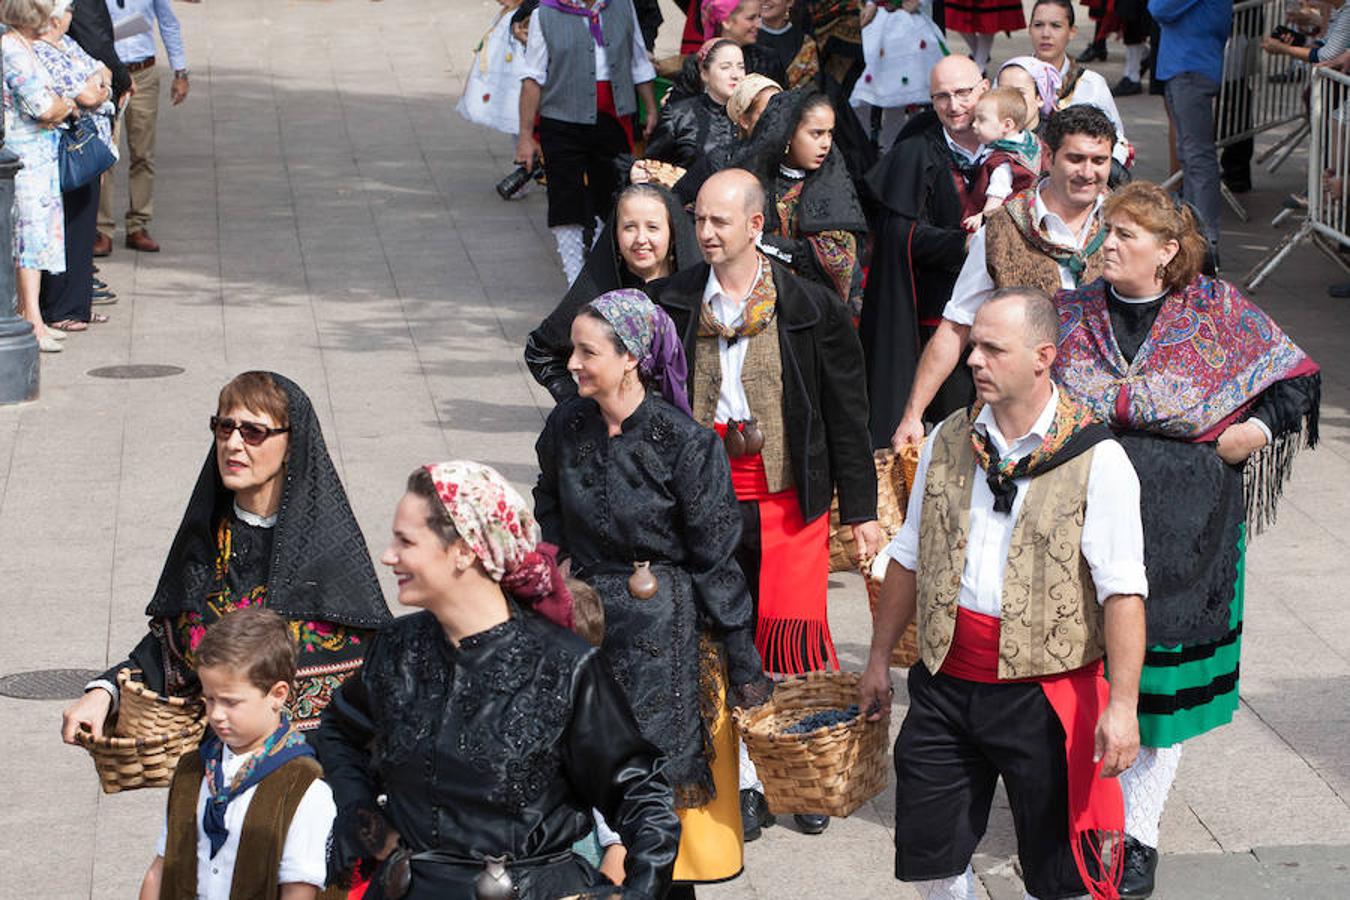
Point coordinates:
pixel 83 156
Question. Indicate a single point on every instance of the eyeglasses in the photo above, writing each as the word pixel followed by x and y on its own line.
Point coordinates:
pixel 253 433
pixel 962 94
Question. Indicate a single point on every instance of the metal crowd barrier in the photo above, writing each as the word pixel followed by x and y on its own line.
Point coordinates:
pixel 1259 92
pixel 1327 225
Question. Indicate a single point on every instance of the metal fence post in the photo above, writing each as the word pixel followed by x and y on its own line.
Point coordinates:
pixel 18 345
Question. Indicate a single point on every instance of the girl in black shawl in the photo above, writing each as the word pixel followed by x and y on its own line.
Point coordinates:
pixel 813 221
pixel 283 537
pixel 619 260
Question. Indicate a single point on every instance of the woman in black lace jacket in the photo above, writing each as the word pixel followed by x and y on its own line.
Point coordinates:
pixel 492 731
pixel 639 496
pixel 698 126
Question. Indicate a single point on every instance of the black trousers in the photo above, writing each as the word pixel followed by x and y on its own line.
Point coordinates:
pixel 957 739
pixel 69 295
pixel 579 161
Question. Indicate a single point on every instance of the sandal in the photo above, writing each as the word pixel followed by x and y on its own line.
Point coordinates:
pixel 69 325
pixel 97 318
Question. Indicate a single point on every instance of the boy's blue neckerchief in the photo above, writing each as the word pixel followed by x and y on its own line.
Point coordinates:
pixel 282 746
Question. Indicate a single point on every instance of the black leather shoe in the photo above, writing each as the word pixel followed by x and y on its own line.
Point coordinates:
pixel 1127 87
pixel 1141 864
pixel 1340 291
pixel 1095 52
pixel 811 824
pixel 755 814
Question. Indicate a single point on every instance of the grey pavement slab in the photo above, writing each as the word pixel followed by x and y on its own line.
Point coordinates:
pixel 325 213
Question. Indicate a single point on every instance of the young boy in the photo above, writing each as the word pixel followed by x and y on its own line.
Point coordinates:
pixel 1012 160
pixel 250 805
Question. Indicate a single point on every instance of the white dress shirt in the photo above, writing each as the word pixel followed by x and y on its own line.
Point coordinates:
pixel 1113 535
pixel 972 157
pixel 536 56
pixel 142 46
pixel 304 856
pixel 732 402
pixel 974 285
pixel 1093 90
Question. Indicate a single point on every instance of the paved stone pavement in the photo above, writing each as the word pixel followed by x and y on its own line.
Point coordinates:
pixel 325 213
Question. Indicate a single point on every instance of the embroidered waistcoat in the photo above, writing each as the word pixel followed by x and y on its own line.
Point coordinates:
pixel 1051 620
pixel 762 378
pixel 1013 262
pixel 266 823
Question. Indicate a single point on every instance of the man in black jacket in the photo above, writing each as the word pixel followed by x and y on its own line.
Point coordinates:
pixel 776 368
pixel 919 245
pixel 91 27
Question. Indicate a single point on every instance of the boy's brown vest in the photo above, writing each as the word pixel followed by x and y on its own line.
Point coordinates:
pixel 260 846
pixel 1013 262
pixel 1051 620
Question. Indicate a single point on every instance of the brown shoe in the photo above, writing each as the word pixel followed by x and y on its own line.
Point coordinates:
pixel 141 240
pixel 102 244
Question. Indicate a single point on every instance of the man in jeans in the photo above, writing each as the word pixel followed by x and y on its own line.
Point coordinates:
pixel 1190 60
pixel 138 53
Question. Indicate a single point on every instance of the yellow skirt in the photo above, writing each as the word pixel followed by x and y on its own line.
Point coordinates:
pixel 711 836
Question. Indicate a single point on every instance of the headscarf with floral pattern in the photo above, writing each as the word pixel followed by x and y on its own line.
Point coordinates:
pixel 496 523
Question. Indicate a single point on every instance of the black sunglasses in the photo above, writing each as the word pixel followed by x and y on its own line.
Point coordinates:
pixel 252 433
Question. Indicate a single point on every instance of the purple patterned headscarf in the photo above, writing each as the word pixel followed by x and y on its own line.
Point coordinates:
pixel 1046 77
pixel 649 334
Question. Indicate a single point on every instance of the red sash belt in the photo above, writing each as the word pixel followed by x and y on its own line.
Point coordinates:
pixel 604 103
pixel 1096 805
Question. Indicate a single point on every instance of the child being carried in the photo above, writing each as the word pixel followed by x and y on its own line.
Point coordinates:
pixel 1012 160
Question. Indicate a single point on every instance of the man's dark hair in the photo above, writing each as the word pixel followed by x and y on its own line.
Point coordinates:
pixel 1082 118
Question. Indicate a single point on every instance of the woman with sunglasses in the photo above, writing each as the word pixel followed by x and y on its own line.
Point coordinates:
pixel 268 524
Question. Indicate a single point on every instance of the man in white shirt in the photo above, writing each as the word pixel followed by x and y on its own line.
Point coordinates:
pixel 1050 240
pixel 140 117
pixel 1023 558
pixel 585 69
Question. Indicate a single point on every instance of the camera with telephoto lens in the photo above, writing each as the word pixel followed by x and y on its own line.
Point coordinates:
pixel 509 186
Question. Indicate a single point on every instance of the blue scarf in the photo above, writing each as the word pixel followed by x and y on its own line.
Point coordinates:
pixel 284 745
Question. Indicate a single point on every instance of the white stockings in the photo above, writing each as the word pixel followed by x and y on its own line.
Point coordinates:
pixel 749 777
pixel 1134 61
pixel 571 249
pixel 981 48
pixel 962 887
pixel 1146 785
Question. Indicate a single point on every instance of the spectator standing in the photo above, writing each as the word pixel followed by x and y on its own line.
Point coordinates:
pixel 33 109
pixel 142 111
pixel 585 101
pixel 1190 60
pixel 66 298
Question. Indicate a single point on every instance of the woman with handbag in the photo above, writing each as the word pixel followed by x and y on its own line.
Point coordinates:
pixel 66 298
pixel 33 108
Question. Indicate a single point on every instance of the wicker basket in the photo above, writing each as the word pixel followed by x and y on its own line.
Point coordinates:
pixel 895 473
pixel 905 653
pixel 830 771
pixel 143 741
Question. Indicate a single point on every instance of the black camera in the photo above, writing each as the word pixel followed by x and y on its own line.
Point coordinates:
pixel 509 186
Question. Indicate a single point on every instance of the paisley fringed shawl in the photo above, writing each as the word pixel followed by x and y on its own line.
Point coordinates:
pixel 1210 354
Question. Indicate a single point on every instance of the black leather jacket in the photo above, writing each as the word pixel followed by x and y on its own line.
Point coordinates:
pixel 500 746
pixel 691 128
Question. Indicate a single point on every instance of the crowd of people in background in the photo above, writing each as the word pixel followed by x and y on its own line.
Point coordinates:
pixel 778 268
pixel 63 61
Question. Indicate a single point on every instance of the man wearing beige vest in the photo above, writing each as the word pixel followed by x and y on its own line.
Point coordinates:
pixel 1049 238
pixel 1022 555
pixel 775 367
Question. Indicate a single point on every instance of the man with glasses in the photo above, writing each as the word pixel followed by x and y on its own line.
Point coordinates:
pixel 919 187
pixel 1048 237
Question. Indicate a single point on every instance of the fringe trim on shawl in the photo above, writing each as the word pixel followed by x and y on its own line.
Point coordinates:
pixel 711 693
pixel 795 646
pixel 1268 469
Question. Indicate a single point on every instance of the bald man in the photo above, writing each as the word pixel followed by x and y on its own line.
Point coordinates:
pixel 919 187
pixel 775 367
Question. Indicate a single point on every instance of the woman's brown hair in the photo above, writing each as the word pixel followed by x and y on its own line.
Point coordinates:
pixel 1155 211
pixel 421 484
pixel 258 392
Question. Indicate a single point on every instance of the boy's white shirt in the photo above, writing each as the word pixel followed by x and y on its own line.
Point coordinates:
pixel 304 857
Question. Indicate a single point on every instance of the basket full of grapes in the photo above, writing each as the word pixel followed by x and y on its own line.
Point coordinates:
pixel 813 748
